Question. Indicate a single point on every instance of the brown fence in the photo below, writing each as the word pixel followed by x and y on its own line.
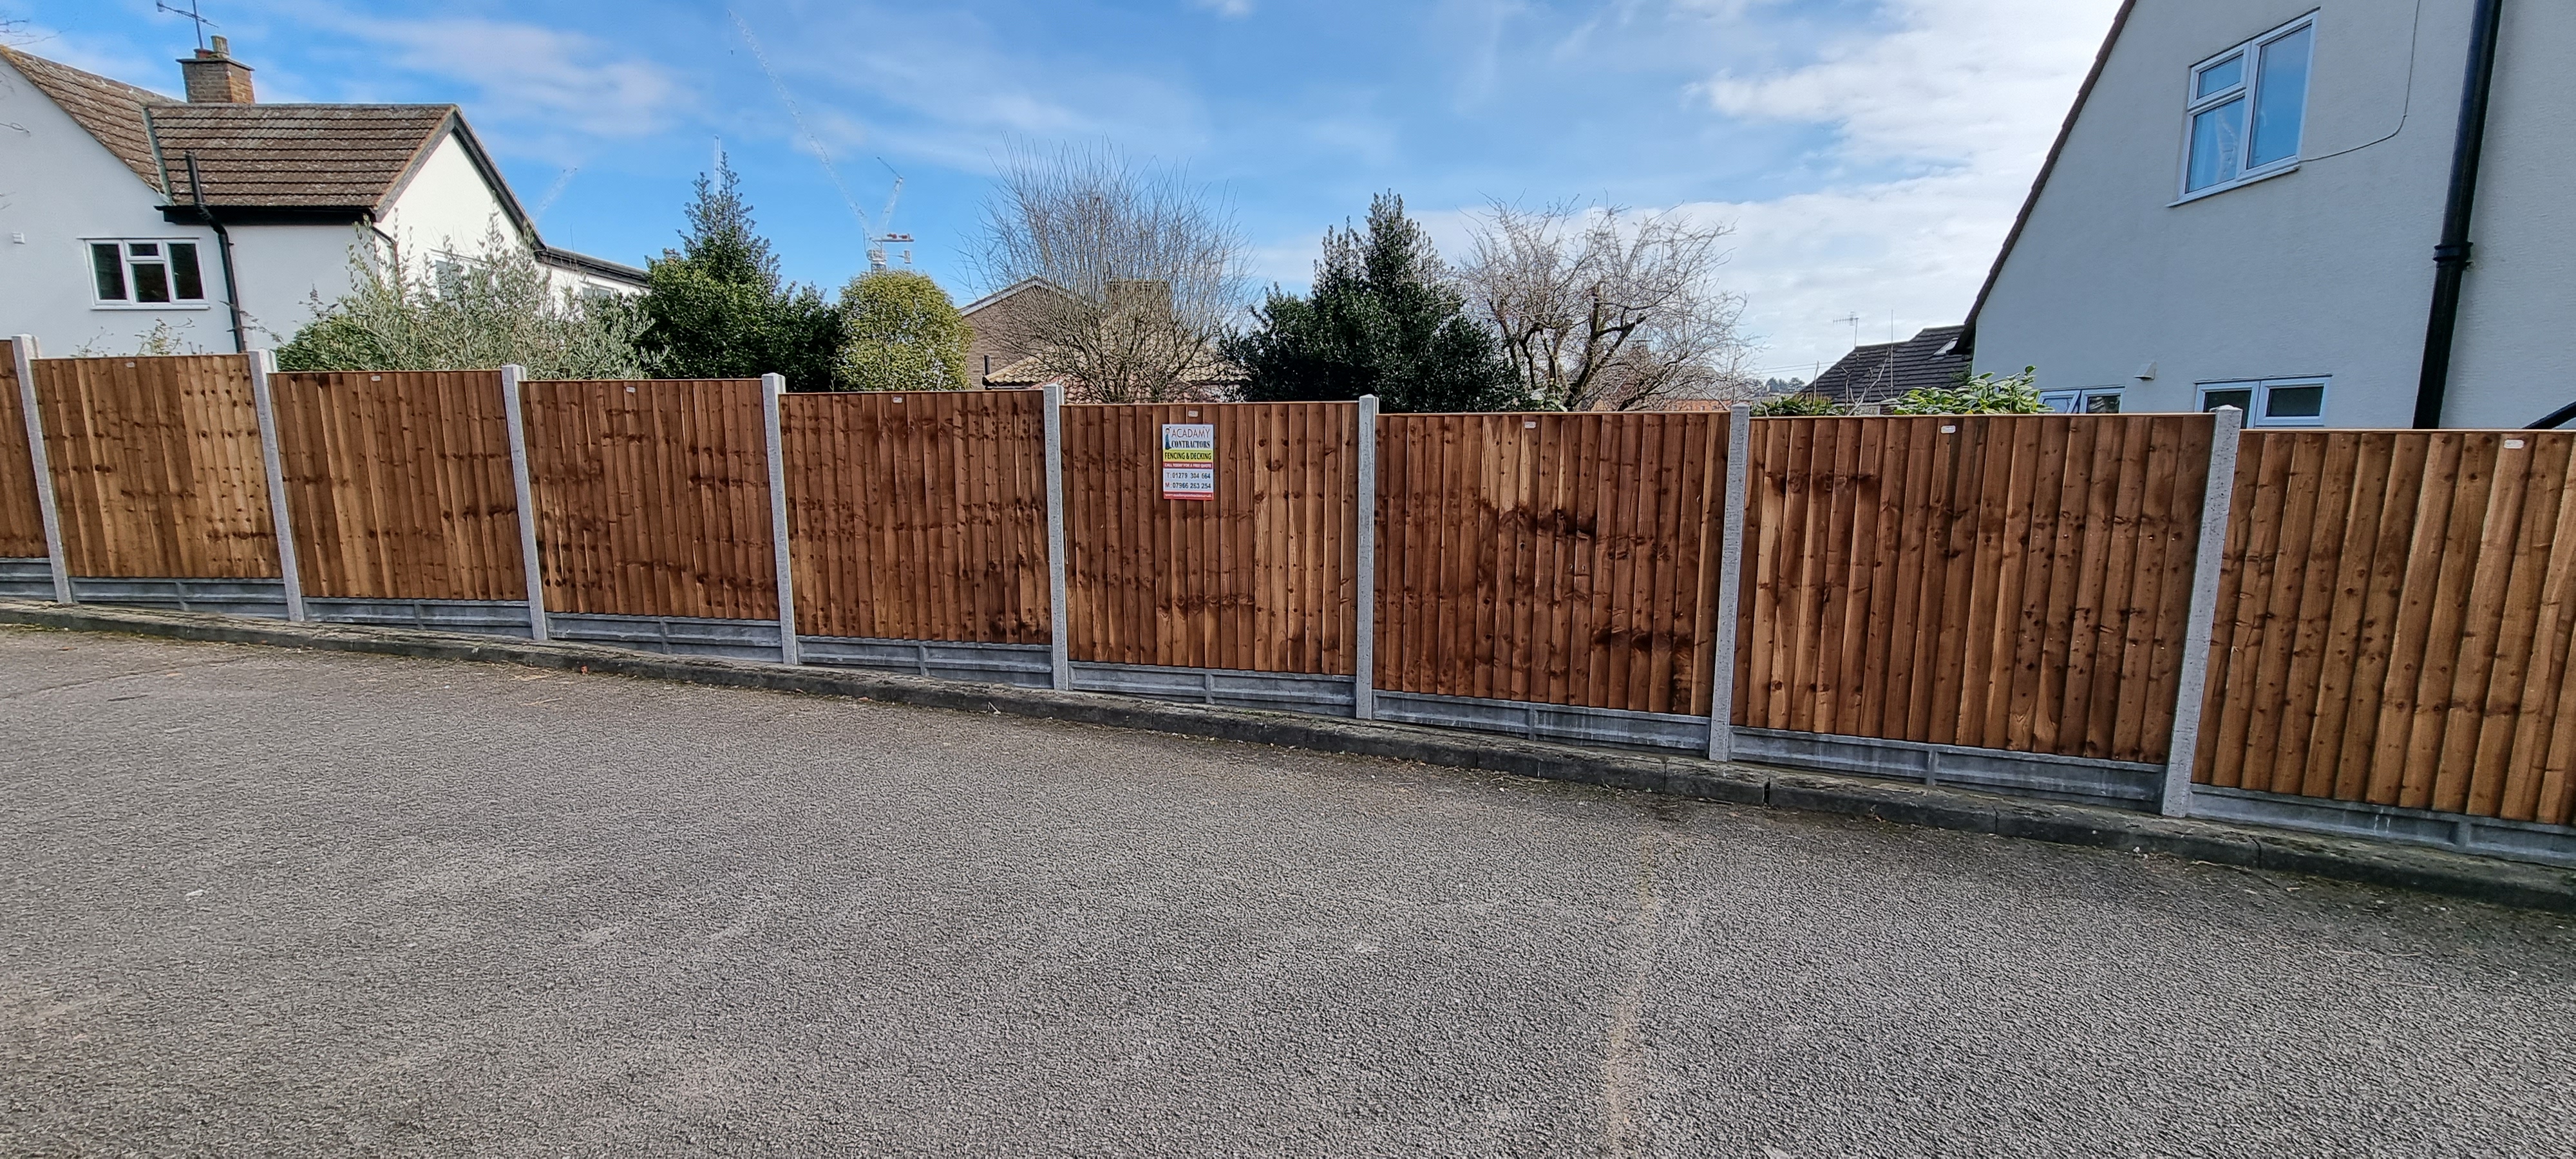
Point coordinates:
pixel 156 466
pixel 2394 622
pixel 399 483
pixel 1562 559
pixel 22 527
pixel 918 516
pixel 1260 578
pixel 2014 583
pixel 652 498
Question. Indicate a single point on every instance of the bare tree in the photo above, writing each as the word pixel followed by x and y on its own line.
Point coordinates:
pixel 1148 267
pixel 1602 309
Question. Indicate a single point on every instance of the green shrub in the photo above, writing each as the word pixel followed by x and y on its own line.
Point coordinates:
pixel 1804 404
pixel 1982 394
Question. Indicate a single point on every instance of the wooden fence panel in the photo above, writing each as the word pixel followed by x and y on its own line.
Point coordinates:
pixel 919 516
pixel 2017 583
pixel 156 465
pixel 2395 620
pixel 1557 558
pixel 1260 579
pixel 399 482
pixel 22 523
pixel 652 497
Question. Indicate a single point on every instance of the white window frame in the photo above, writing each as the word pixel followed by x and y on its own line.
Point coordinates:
pixel 2078 402
pixel 2248 89
pixel 125 264
pixel 2256 415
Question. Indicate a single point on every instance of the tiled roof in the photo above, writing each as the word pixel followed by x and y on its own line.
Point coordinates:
pixel 1031 371
pixel 1932 358
pixel 253 156
pixel 112 111
pixel 296 155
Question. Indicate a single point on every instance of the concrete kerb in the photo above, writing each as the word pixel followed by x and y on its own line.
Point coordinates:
pixel 2405 867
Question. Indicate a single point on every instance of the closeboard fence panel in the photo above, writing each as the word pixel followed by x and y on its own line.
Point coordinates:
pixel 22 525
pixel 400 485
pixel 918 516
pixel 1554 558
pixel 156 465
pixel 2011 582
pixel 652 497
pixel 1261 578
pixel 2395 622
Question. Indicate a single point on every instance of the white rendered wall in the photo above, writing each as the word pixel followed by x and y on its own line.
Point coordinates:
pixel 2516 354
pixel 2325 270
pixel 58 186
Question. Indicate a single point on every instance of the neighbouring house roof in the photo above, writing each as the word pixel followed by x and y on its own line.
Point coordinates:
pixel 1004 294
pixel 1030 371
pixel 2101 59
pixel 305 162
pixel 297 156
pixel 112 111
pixel 1932 358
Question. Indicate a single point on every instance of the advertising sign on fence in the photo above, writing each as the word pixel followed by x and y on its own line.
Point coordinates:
pixel 1189 460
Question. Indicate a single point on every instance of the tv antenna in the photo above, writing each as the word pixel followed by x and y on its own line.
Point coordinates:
pixel 885 222
pixel 194 16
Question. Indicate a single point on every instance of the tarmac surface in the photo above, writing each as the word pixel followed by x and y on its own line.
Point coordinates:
pixel 295 903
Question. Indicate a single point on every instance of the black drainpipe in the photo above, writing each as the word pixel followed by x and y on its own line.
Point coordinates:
pixel 224 249
pixel 2451 256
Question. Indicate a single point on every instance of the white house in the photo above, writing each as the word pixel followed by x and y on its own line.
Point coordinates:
pixel 122 210
pixel 2258 202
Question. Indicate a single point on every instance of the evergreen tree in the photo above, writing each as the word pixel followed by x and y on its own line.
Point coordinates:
pixel 1382 319
pixel 715 308
pixel 903 333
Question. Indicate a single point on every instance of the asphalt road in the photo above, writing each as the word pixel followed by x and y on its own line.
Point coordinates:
pixel 285 903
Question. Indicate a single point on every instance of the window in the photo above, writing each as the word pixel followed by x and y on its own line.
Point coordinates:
pixel 2104 400
pixel 2246 109
pixel 147 273
pixel 2271 402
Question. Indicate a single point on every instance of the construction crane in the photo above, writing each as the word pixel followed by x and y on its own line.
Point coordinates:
pixel 878 232
pixel 885 222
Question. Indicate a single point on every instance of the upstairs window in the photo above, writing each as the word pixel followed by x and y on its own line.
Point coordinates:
pixel 2099 400
pixel 2271 402
pixel 2247 109
pixel 147 273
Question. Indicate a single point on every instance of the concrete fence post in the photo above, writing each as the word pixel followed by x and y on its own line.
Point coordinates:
pixel 531 567
pixel 1364 578
pixel 773 390
pixel 262 364
pixel 23 347
pixel 1730 576
pixel 1059 614
pixel 2207 562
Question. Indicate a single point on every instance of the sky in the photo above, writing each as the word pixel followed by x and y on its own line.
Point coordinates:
pixel 1868 154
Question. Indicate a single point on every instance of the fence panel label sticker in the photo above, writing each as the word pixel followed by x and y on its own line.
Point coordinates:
pixel 1189 460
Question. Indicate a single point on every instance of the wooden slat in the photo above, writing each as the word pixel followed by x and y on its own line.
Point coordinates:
pixel 22 527
pixel 400 484
pixel 1256 579
pixel 652 498
pixel 919 519
pixel 156 466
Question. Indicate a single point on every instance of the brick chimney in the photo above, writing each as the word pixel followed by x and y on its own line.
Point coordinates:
pixel 215 78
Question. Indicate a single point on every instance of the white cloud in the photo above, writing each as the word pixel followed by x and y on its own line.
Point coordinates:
pixel 1231 9
pixel 947 87
pixel 534 74
pixel 1966 95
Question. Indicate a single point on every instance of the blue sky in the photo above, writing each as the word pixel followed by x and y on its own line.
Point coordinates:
pixel 1869 153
